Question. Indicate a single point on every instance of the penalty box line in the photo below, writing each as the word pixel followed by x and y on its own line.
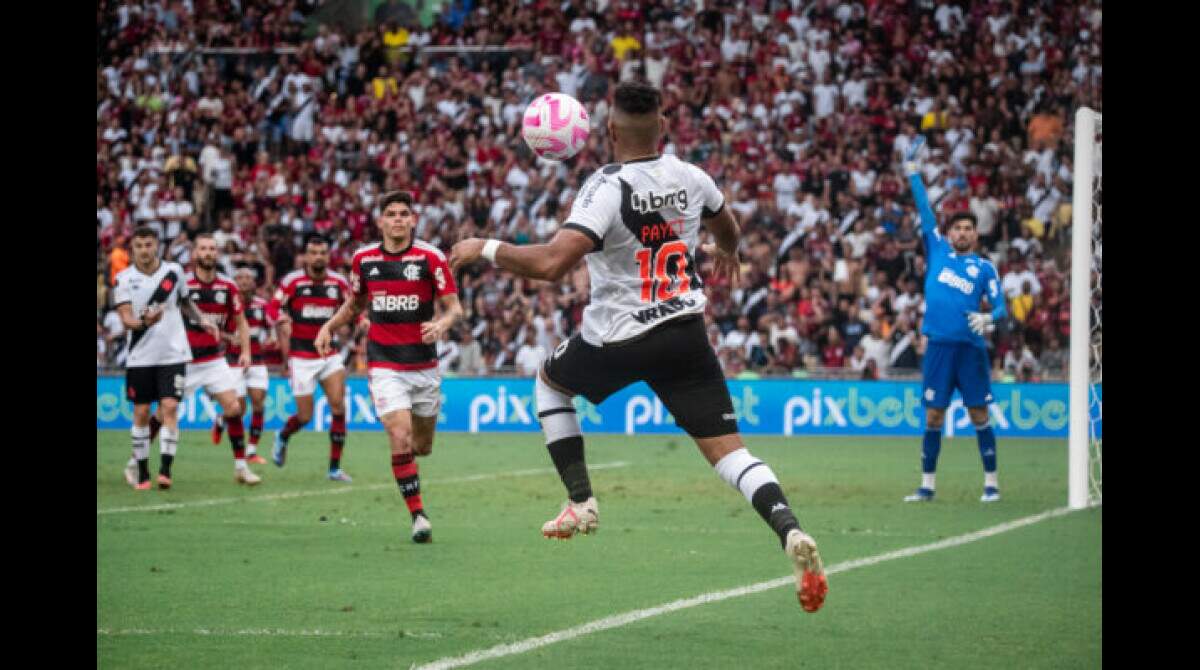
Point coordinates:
pixel 340 490
pixel 618 620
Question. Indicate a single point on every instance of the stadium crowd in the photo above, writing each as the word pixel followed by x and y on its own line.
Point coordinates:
pixel 800 110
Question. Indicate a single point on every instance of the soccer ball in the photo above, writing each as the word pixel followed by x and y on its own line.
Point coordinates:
pixel 555 126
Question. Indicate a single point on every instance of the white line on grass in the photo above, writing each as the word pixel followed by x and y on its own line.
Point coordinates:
pixel 259 632
pixel 340 489
pixel 618 620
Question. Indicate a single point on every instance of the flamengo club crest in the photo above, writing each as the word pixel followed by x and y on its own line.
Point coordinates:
pixel 220 297
pixel 412 272
pixel 331 292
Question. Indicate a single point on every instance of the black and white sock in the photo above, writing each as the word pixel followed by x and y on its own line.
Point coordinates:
pixel 141 450
pixel 168 442
pixel 758 484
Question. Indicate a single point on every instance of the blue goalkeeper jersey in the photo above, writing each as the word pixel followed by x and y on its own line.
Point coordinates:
pixel 954 283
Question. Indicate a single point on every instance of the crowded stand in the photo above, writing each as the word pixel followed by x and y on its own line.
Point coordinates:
pixel 262 122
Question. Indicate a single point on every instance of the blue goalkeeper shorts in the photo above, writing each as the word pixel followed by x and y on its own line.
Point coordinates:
pixel 955 365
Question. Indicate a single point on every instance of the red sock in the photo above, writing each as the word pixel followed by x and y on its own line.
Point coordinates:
pixel 405 470
pixel 233 424
pixel 292 425
pixel 337 440
pixel 256 424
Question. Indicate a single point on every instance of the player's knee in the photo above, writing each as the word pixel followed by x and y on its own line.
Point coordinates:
pixel 979 416
pixel 423 446
pixel 934 419
pixel 400 439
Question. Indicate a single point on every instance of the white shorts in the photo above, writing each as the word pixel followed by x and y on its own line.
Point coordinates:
pixel 307 371
pixel 417 390
pixel 214 376
pixel 254 376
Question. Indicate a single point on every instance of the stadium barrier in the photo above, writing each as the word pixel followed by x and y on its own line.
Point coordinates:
pixel 763 407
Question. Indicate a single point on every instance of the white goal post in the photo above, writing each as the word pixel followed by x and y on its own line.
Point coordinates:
pixel 1086 371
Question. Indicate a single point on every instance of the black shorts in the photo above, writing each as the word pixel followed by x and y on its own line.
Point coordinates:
pixel 153 383
pixel 674 359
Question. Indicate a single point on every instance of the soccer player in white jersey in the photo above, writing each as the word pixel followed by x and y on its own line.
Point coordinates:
pixel 638 222
pixel 149 296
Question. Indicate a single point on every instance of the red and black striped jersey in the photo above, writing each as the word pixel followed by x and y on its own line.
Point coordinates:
pixel 220 303
pixel 401 288
pixel 256 319
pixel 309 303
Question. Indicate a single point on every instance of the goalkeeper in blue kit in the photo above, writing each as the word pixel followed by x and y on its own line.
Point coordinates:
pixel 955 282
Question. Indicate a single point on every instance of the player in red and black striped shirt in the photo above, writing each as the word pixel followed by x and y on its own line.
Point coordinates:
pixel 221 305
pixel 398 281
pixel 252 379
pixel 305 300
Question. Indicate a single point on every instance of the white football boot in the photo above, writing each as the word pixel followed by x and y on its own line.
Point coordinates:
pixel 245 476
pixel 811 585
pixel 574 518
pixel 422 530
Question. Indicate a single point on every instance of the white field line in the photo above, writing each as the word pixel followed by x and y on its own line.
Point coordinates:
pixel 626 618
pixel 258 632
pixel 341 489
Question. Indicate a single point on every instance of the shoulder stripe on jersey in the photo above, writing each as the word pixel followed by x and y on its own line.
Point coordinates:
pixel 430 248
pixel 290 277
pixel 597 243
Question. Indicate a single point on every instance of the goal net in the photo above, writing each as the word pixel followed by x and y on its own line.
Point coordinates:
pixel 1087 371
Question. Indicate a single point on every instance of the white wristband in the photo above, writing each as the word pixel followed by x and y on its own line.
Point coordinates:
pixel 489 250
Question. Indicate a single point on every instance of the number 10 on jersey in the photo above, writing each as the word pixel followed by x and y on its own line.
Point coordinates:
pixel 652 269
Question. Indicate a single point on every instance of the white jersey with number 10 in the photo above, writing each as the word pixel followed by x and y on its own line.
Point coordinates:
pixel 644 217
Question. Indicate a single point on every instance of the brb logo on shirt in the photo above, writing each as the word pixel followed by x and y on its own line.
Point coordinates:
pixel 949 278
pixel 644 203
pixel 395 303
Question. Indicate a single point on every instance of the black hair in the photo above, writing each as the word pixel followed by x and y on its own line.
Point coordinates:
pixel 315 238
pixel 145 231
pixel 393 197
pixel 637 97
pixel 959 216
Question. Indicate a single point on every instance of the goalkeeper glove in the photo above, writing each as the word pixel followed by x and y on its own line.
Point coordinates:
pixel 911 165
pixel 980 322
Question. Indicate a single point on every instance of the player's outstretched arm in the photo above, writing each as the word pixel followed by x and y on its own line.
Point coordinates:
pixel 345 314
pixel 920 196
pixel 548 261
pixel 725 229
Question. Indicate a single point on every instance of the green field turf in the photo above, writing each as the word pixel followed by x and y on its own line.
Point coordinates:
pixel 332 580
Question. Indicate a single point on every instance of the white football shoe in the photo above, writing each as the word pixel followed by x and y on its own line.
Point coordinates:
pixel 574 518
pixel 131 473
pixel 422 530
pixel 245 476
pixel 811 585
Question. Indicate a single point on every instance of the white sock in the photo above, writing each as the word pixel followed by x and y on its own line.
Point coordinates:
pixel 989 479
pixel 141 442
pixel 927 480
pixel 168 441
pixel 239 464
pixel 251 449
pixel 744 472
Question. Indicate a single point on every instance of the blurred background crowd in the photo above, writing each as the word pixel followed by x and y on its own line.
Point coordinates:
pixel 264 120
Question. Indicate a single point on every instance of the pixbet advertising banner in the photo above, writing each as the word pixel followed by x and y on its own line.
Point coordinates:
pixel 763 407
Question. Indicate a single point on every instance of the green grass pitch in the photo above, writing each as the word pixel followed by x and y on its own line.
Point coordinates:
pixel 238 577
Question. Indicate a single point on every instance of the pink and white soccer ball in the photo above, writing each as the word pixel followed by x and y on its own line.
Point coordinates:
pixel 555 126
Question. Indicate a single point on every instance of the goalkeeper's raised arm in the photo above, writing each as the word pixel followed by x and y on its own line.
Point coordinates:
pixel 912 169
